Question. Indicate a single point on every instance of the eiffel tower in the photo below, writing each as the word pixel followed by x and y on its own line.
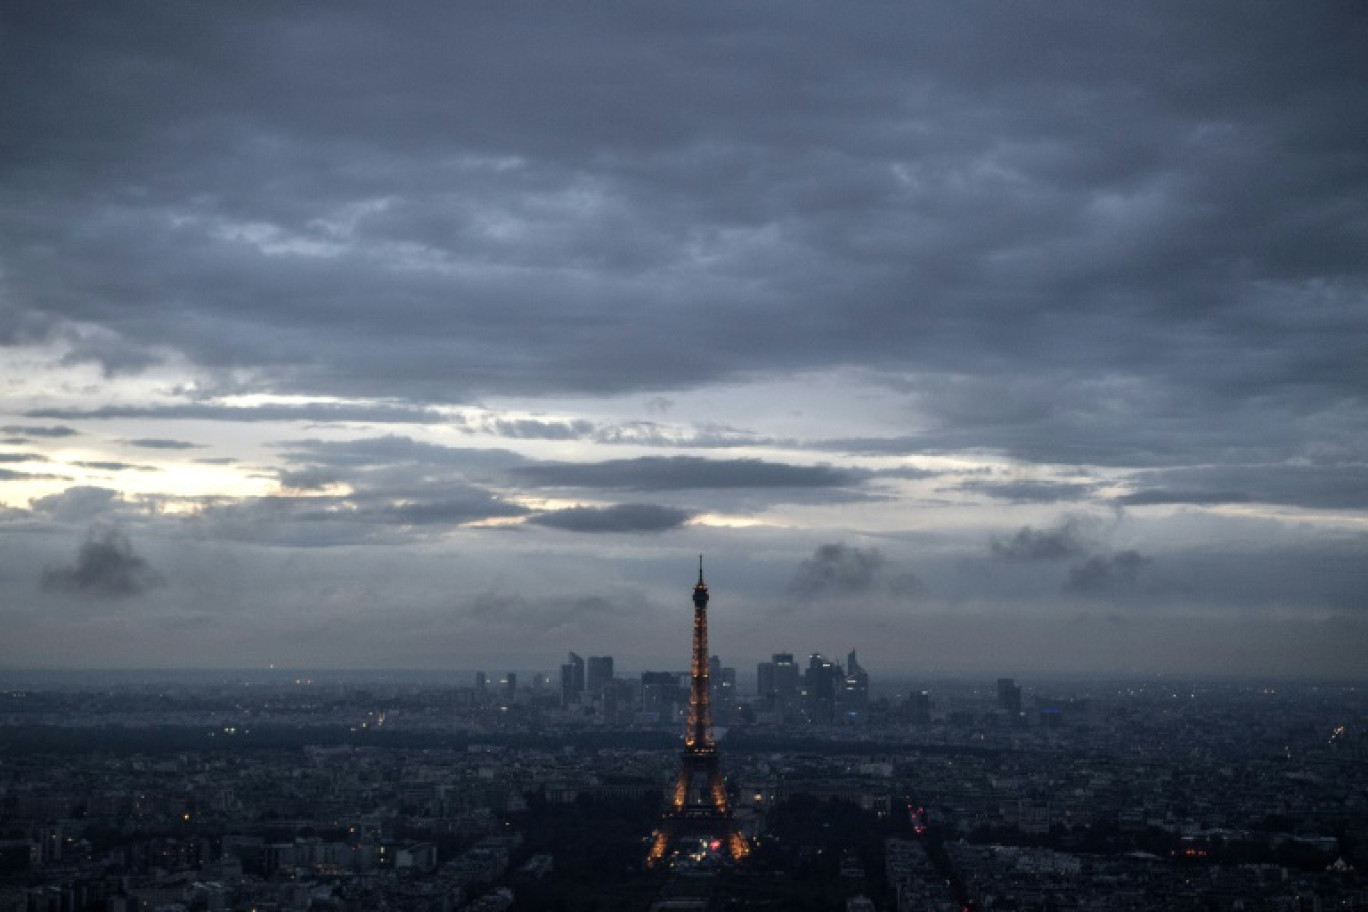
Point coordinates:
pixel 698 808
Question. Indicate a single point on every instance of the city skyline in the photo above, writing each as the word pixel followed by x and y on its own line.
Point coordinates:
pixel 991 340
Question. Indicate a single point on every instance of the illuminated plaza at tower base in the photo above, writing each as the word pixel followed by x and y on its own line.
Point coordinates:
pixel 697 851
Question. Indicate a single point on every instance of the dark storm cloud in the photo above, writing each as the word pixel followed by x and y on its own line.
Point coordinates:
pixel 314 412
pixel 1028 544
pixel 1104 574
pixel 1335 486
pixel 617 518
pixel 1024 491
pixel 679 473
pixel 838 569
pixel 1062 229
pixel 161 443
pixel 106 566
pixel 30 430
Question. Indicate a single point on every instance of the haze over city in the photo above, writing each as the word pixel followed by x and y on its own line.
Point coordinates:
pixel 979 338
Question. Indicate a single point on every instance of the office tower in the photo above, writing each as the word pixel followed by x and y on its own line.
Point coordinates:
pixel 785 682
pixel 572 680
pixel 660 693
pixel 764 680
pixel 511 685
pixel 481 681
pixel 785 676
pixel 854 691
pixel 777 683
pixel 598 675
pixel 698 807
pixel 821 682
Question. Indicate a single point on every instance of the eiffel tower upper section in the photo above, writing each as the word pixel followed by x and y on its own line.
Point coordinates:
pixel 699 738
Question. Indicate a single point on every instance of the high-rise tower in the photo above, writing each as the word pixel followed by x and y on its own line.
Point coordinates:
pixel 698 807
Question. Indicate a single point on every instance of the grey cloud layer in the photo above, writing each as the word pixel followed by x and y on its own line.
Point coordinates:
pixel 397 486
pixel 1101 258
pixel 619 518
pixel 1082 233
pixel 1334 486
pixel 678 473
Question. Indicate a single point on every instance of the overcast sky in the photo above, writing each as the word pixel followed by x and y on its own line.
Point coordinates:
pixel 991 338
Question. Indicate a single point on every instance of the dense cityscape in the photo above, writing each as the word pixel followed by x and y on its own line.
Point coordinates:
pixel 372 374
pixel 537 790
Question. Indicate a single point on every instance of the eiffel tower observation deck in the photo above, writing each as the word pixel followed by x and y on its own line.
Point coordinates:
pixel 697 814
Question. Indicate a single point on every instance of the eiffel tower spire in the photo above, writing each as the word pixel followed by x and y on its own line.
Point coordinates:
pixel 698 807
pixel 699 733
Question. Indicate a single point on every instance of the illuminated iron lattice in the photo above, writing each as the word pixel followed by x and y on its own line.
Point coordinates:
pixel 698 807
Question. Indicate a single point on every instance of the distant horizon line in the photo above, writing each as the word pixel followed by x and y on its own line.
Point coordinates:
pixel 344 671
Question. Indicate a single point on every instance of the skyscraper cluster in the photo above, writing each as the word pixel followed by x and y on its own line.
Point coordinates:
pixel 823 693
